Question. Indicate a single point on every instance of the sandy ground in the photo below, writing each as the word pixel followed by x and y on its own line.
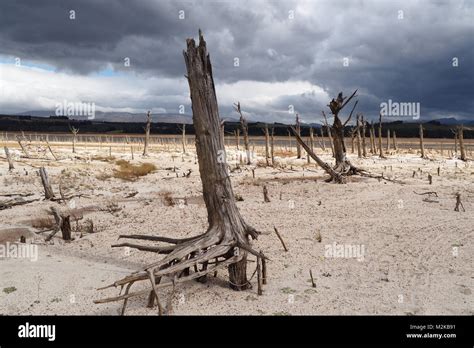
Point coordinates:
pixel 418 253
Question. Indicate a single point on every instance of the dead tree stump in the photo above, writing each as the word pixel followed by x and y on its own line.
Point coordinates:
pixel 48 190
pixel 9 159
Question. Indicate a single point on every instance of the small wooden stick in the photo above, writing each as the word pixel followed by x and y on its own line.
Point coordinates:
pixel 259 277
pixel 281 239
pixel 312 280
pixel 264 270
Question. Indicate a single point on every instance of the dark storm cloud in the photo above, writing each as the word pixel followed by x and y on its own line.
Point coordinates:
pixel 405 59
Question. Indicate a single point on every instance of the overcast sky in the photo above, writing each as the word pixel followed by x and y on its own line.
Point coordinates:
pixel 299 53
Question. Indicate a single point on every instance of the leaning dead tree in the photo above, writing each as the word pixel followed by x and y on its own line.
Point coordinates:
pixel 48 190
pixel 147 133
pixel 74 132
pixel 226 243
pixel 245 130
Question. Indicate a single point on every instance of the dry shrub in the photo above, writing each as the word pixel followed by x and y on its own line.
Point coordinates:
pixel 167 198
pixel 131 172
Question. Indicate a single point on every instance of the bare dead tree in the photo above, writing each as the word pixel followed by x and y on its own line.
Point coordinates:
pixel 381 155
pixel 311 142
pixel 422 147
pixel 323 142
pixel 328 130
pixel 245 130
pixel 147 133
pixel 267 150
pixel 359 140
pixel 395 141
pixel 51 150
pixel 388 140
pixel 272 145
pixel 9 159
pixel 373 148
pixel 74 132
pixel 364 129
pixel 23 148
pixel 226 242
pixel 48 190
pixel 298 130
pixel 237 138
pixel 183 136
pixel 459 135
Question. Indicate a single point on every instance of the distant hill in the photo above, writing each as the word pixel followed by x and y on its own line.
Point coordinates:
pixel 119 116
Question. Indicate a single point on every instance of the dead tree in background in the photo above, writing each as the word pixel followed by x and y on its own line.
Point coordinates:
pixel 373 148
pixel 267 150
pixel 237 138
pixel 359 140
pixel 380 137
pixel 342 167
pixel 298 130
pixel 147 133
pixel 272 145
pixel 23 148
pixel 459 135
pixel 395 141
pixel 226 241
pixel 74 132
pixel 422 147
pixel 9 159
pixel 311 142
pixel 245 130
pixel 388 140
pixel 183 136
pixel 328 130
pixel 323 142
pixel 364 128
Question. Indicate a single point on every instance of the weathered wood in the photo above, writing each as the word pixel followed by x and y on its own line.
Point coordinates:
pixel 267 150
pixel 311 143
pixel 394 141
pixel 266 199
pixel 422 147
pixel 298 131
pixel 272 145
pixel 23 148
pixel 364 128
pixel 280 238
pixel 9 159
pixel 359 139
pixel 381 155
pixel 48 190
pixel 51 150
pixel 245 130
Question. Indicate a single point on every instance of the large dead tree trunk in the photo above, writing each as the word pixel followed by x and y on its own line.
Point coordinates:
pixel 422 147
pixel 226 241
pixel 373 148
pixel 9 159
pixel 147 133
pixel 395 141
pixel 298 130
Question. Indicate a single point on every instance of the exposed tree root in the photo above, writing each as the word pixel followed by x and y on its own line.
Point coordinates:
pixel 205 254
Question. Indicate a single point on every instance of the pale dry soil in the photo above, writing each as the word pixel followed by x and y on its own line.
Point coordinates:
pixel 418 255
